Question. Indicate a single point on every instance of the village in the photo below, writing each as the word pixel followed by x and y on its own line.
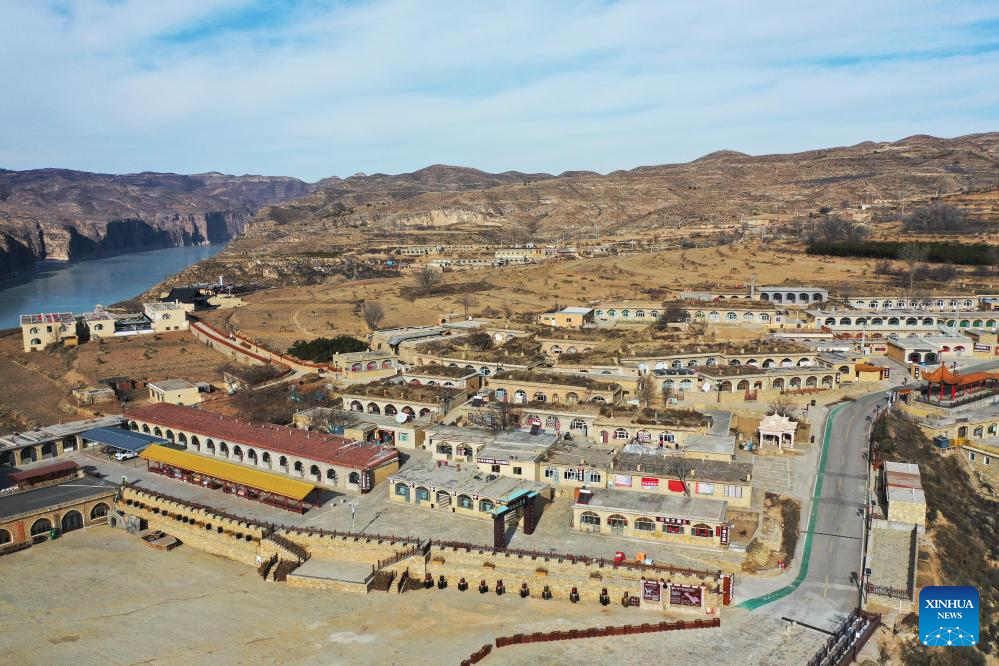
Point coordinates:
pixel 644 453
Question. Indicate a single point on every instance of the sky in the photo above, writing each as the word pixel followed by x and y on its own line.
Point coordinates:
pixel 312 89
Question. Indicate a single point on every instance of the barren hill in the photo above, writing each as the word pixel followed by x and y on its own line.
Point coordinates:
pixel 718 187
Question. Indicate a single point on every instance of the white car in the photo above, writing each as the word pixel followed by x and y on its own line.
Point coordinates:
pixel 125 455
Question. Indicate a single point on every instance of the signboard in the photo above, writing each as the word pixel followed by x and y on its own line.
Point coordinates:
pixel 650 482
pixel 622 481
pixel 983 348
pixel 724 534
pixel 492 461
pixel 672 521
pixel 651 591
pixel 684 595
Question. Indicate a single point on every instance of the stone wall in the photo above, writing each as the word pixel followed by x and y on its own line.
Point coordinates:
pixel 559 574
pixel 368 550
pixel 200 528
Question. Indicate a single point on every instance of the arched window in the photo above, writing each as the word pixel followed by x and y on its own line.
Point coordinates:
pixel 41 526
pixel 620 433
pixel 485 505
pixel 645 525
pixel 402 490
pixel 331 475
pixel 354 478
pixel 466 502
pixel 589 518
pixel 702 530
pixel 617 523
pixel 314 471
pixel 299 467
pixel 4 537
pixel 283 461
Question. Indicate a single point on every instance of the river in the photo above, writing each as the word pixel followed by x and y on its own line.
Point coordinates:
pixel 77 286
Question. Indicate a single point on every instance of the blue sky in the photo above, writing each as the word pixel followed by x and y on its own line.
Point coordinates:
pixel 311 89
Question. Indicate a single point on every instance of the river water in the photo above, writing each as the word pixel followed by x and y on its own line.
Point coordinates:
pixel 77 286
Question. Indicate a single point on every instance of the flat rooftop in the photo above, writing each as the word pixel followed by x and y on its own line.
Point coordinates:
pixel 171 385
pixel 31 501
pixel 55 431
pixel 913 495
pixel 437 370
pixel 387 390
pixel 700 470
pixel 575 454
pixel 512 439
pixel 467 480
pixel 48 318
pixel 558 379
pixel 654 504
pixel 379 420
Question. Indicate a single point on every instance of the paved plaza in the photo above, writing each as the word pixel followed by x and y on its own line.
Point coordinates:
pixel 125 603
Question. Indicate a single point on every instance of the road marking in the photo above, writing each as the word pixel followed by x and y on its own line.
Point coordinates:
pixel 842 463
pixel 825 588
pixel 839 483
pixel 753 604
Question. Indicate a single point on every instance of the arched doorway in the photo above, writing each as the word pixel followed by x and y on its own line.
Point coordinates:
pixel 73 520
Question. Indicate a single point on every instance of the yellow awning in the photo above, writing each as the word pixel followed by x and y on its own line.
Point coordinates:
pixel 219 469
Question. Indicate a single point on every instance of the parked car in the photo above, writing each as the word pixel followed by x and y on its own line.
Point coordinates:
pixel 125 455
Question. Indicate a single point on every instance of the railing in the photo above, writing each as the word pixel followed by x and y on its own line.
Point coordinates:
pixel 478 655
pixel 399 557
pixel 598 632
pixel 847 642
pixel 887 591
pixel 580 559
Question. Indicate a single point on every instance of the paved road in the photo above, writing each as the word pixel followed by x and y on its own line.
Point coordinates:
pixel 825 590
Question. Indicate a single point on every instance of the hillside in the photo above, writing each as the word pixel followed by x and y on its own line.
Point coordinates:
pixel 716 188
pixel 62 214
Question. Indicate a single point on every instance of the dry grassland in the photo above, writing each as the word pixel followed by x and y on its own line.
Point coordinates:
pixel 278 317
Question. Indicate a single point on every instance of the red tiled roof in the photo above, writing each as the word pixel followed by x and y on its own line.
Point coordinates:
pixel 310 445
pixel 945 375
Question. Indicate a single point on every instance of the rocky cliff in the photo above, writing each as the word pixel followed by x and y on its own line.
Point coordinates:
pixel 60 214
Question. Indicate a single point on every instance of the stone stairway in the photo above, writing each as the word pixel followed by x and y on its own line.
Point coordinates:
pixel 286 548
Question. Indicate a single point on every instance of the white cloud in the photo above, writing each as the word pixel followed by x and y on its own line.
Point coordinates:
pixel 324 89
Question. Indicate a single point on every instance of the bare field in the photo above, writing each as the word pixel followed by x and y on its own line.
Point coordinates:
pixel 278 317
pixel 147 357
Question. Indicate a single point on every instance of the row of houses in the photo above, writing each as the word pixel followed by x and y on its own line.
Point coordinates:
pixel 38 331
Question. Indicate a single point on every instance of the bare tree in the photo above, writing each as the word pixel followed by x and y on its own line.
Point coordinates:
pixel 373 314
pixel 680 467
pixel 668 393
pixel 645 390
pixel 507 310
pixel 427 280
pixel 333 420
pixel 496 416
pixel 912 254
pixel 467 301
pixel 782 407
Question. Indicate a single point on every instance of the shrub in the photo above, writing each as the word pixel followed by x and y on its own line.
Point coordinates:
pixel 321 350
